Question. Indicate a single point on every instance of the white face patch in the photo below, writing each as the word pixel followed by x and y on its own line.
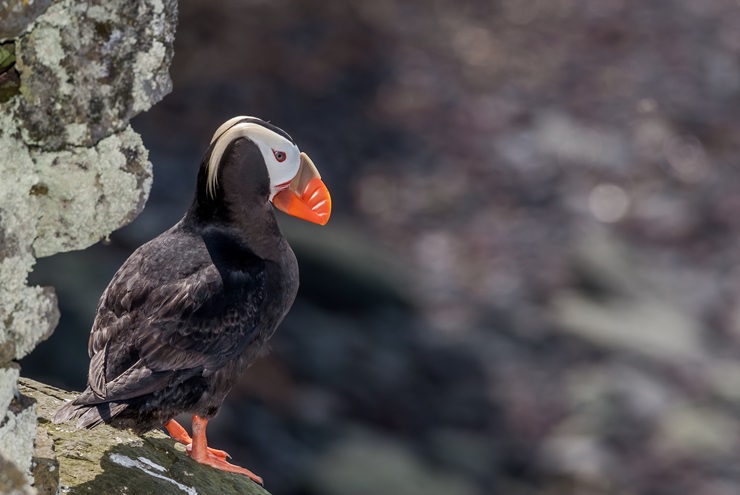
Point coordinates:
pixel 282 157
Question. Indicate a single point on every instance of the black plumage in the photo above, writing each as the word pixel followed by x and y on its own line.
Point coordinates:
pixel 190 310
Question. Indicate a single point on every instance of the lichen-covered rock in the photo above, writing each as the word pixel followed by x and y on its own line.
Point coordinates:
pixel 27 314
pixel 114 175
pixel 16 16
pixel 89 67
pixel 12 480
pixel 45 465
pixel 8 379
pixel 111 461
pixel 17 426
pixel 72 168
pixel 17 433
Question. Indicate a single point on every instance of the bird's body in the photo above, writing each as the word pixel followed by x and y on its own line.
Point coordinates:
pixel 183 321
pixel 190 310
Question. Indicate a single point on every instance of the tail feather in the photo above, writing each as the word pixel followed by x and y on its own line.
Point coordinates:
pixel 89 415
pixel 68 411
pixel 99 413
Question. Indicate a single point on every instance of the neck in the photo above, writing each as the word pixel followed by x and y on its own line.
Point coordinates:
pixel 250 223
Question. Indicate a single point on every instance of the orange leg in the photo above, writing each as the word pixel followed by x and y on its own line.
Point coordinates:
pixel 180 434
pixel 201 452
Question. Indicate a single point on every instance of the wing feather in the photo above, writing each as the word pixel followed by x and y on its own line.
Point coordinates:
pixel 149 333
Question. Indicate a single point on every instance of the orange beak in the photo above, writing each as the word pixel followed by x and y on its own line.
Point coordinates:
pixel 306 197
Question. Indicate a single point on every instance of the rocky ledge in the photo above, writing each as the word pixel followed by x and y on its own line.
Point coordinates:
pixel 111 461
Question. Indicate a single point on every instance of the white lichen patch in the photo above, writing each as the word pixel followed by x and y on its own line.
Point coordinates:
pixel 17 171
pixel 92 53
pixel 8 380
pixel 157 6
pixel 147 63
pixel 145 465
pixel 24 311
pixel 49 52
pixel 17 435
pixel 33 319
pixel 57 15
pixel 83 177
pixel 118 183
pixel 99 13
pixel 76 132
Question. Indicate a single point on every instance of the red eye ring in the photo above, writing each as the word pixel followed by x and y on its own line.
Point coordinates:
pixel 279 155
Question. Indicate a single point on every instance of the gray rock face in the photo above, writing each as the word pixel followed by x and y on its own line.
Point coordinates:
pixel 17 16
pixel 114 176
pixel 89 67
pixel 17 433
pixel 73 169
pixel 27 314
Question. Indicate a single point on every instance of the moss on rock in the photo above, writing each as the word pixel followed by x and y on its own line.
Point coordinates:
pixel 111 461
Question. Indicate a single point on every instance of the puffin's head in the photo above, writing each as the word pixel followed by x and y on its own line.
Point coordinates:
pixel 295 185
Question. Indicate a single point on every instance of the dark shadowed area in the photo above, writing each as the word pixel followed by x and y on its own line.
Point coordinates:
pixel 530 282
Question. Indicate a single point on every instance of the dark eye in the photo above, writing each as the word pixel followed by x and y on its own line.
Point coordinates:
pixel 279 155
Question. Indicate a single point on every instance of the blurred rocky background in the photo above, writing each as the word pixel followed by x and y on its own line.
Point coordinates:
pixel 530 283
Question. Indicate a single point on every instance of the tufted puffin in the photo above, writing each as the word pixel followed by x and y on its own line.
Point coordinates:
pixel 190 310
